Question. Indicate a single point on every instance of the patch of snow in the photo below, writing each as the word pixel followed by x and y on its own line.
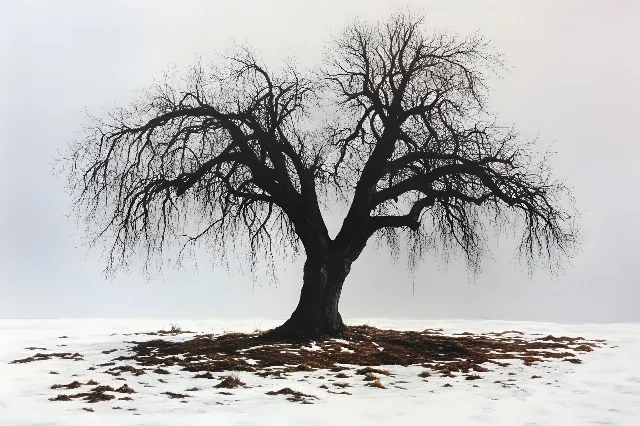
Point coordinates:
pixel 312 347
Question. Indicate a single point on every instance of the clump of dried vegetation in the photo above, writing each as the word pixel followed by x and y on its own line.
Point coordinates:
pixel 231 382
pixel 465 354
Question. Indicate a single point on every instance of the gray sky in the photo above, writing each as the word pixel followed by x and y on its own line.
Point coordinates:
pixel 574 83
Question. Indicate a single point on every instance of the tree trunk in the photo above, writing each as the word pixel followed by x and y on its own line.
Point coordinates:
pixel 317 314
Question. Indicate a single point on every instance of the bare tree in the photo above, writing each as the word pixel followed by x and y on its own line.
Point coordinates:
pixel 412 147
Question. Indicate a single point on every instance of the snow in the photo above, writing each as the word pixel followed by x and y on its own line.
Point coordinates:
pixel 604 389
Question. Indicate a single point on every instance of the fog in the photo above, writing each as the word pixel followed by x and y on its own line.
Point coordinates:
pixel 573 85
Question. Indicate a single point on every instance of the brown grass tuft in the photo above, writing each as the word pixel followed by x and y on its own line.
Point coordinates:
pixel 368 370
pixel 370 377
pixel 125 389
pixel 375 384
pixel 206 375
pixel 230 382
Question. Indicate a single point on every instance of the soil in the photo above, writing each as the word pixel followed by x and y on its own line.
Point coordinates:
pixel 361 350
pixel 366 346
pixel 43 357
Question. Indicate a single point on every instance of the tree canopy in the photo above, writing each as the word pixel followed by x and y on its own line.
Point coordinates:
pixel 405 139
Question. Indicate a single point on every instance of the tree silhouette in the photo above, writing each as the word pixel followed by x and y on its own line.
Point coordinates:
pixel 410 143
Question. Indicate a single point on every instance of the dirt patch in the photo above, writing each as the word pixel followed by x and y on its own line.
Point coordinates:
pixel 276 374
pixel 174 395
pixel 206 375
pixel 300 367
pixel 61 397
pixel 43 357
pixel 73 385
pixel 95 395
pixel 125 389
pixel 339 393
pixel 115 371
pixel 294 396
pixel 465 354
pixel 103 388
pixel 370 370
pixel 449 355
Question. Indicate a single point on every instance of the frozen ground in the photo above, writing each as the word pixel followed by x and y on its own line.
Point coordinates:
pixel 603 390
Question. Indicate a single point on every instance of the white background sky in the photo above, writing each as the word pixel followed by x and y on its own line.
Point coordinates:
pixel 574 83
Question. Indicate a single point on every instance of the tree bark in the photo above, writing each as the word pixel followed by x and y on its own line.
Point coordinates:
pixel 317 314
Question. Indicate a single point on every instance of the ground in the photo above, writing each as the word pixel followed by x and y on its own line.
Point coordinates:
pixel 464 372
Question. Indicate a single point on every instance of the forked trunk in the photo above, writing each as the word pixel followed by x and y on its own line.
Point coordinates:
pixel 317 312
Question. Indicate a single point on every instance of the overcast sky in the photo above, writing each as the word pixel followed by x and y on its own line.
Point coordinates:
pixel 574 84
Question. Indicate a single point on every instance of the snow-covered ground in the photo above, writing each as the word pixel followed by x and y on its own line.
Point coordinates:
pixel 603 390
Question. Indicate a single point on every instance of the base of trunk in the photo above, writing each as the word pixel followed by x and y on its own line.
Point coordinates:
pixel 301 329
pixel 316 315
